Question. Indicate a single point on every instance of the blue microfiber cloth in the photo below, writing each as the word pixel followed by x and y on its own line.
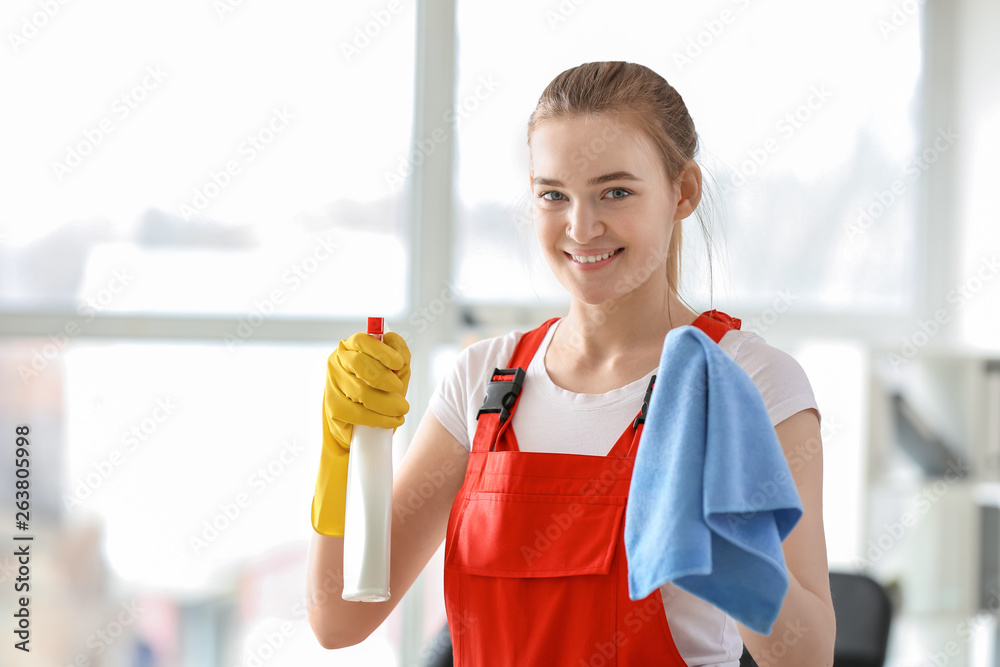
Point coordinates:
pixel 711 496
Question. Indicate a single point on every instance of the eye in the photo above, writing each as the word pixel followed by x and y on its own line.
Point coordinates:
pixel 618 193
pixel 556 196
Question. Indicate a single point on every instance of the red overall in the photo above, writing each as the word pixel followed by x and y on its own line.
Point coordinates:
pixel 535 570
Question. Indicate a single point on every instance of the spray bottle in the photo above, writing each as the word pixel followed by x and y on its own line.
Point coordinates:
pixel 369 508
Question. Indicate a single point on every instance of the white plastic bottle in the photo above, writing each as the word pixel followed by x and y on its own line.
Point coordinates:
pixel 369 508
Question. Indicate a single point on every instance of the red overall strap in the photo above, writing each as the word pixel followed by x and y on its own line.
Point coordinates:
pixel 716 323
pixel 490 425
pixel 525 350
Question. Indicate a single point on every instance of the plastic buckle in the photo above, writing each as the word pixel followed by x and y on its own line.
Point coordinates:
pixel 501 394
pixel 641 419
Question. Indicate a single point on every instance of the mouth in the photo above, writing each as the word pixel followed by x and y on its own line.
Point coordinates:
pixel 594 259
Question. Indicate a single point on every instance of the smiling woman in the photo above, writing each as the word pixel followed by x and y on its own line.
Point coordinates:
pixel 528 553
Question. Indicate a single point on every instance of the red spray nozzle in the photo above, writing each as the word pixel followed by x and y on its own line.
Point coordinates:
pixel 376 327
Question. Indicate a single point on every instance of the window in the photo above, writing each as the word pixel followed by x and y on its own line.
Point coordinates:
pixel 796 149
pixel 223 161
pixel 201 161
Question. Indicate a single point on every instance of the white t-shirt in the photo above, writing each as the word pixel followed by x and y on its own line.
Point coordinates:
pixel 551 419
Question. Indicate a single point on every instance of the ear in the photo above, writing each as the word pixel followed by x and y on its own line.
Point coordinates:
pixel 689 183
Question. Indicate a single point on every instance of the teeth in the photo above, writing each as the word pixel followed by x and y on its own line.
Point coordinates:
pixel 590 259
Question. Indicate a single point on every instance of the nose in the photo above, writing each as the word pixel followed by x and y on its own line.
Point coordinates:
pixel 582 224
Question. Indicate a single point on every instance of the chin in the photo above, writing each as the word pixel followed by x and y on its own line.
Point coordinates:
pixel 594 297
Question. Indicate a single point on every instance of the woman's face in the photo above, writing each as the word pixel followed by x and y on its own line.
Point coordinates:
pixel 603 206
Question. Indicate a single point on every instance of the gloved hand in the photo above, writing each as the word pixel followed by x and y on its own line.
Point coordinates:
pixel 366 381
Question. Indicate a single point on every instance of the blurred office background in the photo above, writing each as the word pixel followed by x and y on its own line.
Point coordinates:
pixel 201 198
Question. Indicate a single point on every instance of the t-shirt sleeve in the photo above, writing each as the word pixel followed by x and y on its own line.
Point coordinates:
pixel 779 377
pixel 460 393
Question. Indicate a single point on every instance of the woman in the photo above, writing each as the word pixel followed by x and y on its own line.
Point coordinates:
pixel 534 566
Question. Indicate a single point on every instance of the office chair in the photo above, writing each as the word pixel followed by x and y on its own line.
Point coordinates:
pixel 438 650
pixel 864 616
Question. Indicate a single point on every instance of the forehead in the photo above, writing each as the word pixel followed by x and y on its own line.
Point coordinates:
pixel 579 147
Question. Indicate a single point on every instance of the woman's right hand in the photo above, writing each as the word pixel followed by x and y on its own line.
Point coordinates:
pixel 366 382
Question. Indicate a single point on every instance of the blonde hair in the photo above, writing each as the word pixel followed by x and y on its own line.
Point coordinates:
pixel 649 102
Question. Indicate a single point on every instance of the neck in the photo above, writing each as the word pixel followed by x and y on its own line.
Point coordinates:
pixel 636 323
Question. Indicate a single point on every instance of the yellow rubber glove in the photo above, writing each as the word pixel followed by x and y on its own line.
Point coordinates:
pixel 366 381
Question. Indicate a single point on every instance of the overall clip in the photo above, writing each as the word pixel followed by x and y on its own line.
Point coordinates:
pixel 645 404
pixel 502 391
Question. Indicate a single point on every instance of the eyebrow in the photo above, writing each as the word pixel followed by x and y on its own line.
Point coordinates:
pixel 597 180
